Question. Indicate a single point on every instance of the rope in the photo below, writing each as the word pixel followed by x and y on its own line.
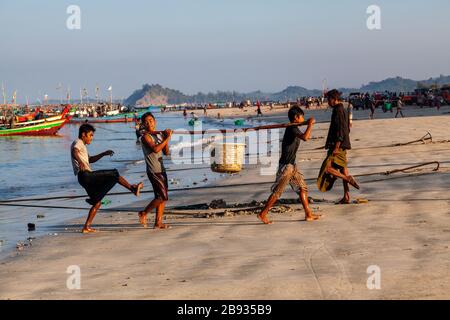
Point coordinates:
pixel 424 140
pixel 168 212
pixel 237 130
pixel 386 173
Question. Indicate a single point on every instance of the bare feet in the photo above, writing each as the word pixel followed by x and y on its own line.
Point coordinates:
pixel 312 217
pixel 264 219
pixel 137 189
pixel 88 230
pixel 162 226
pixel 143 219
pixel 353 182
pixel 344 200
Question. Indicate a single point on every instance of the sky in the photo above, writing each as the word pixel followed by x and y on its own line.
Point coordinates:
pixel 210 45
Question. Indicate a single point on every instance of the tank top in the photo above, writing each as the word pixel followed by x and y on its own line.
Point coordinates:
pixel 153 160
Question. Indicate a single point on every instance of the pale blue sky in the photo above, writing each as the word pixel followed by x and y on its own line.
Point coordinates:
pixel 209 45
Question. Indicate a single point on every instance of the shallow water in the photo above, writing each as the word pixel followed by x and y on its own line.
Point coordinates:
pixel 41 167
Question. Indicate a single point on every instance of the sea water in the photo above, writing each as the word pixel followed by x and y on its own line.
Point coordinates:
pixel 40 167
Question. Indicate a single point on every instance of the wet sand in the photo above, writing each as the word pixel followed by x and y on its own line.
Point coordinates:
pixel 404 229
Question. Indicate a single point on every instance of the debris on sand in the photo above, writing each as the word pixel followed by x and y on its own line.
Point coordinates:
pixel 281 209
pixel 218 204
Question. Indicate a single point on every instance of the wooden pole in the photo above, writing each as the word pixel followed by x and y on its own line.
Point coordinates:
pixel 225 131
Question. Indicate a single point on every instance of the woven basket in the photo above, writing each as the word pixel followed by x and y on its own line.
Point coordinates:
pixel 228 157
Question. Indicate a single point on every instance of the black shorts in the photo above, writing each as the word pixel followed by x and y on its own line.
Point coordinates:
pixel 159 184
pixel 98 183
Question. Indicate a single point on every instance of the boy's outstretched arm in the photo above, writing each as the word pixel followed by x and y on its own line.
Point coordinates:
pixel 307 135
pixel 94 159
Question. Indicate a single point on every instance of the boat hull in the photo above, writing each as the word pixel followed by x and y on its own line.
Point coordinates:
pixel 43 129
pixel 122 118
pixel 100 120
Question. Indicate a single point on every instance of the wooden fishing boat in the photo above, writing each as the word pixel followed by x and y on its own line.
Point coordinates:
pixel 108 119
pixel 31 128
pixel 120 118
pixel 43 127
pixel 28 116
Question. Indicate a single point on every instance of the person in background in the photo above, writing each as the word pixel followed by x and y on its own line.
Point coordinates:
pixel 258 106
pixel 399 105
pixel 350 114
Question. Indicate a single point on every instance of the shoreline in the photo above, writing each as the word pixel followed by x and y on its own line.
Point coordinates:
pixel 401 229
pixel 132 169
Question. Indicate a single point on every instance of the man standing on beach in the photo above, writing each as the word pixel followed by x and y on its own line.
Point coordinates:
pixel 288 171
pixel 338 142
pixel 258 106
pixel 96 183
pixel 369 104
pixel 153 146
pixel 399 106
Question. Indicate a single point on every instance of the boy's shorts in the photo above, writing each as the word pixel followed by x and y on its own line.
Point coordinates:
pixel 160 185
pixel 98 183
pixel 289 174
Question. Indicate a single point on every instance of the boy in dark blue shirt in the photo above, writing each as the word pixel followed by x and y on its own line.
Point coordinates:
pixel 288 171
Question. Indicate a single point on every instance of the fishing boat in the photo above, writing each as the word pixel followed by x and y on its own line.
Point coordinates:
pixel 43 127
pixel 107 119
pixel 119 118
pixel 28 116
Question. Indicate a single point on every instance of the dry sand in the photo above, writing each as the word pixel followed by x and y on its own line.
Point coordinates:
pixel 404 229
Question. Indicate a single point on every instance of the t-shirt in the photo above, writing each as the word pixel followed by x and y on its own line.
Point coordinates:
pixel 290 145
pixel 83 155
pixel 339 129
pixel 153 160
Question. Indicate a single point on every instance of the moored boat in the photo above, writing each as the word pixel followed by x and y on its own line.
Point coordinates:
pixel 42 127
pixel 107 119
pixel 119 118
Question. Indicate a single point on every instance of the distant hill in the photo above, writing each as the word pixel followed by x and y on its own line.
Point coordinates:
pixel 156 94
pixel 399 84
pixel 292 93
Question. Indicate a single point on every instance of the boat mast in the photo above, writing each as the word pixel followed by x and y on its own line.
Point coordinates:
pixel 97 90
pixel 60 92
pixel 110 95
pixel 68 95
pixel 4 102
pixel 4 95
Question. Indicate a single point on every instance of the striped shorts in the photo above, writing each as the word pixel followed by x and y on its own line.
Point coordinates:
pixel 289 174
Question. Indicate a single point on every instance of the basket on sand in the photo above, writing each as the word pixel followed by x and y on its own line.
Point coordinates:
pixel 228 157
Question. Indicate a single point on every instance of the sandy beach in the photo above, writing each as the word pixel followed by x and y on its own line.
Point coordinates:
pixel 404 229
